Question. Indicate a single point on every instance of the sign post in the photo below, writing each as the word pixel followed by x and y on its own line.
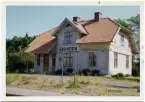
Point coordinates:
pixel 68 49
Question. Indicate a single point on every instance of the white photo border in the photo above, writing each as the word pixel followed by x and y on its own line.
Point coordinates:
pixel 72 98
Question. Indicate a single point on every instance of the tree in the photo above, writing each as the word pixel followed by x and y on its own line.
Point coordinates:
pixel 20 62
pixel 124 23
pixel 134 23
pixel 16 58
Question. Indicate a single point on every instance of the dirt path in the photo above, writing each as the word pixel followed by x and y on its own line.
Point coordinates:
pixel 28 92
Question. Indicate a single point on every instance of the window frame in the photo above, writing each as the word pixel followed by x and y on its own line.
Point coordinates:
pixel 115 59
pixel 68 60
pixel 127 61
pixel 92 62
pixel 67 38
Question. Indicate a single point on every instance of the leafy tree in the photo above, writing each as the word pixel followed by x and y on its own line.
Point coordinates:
pixel 134 23
pixel 124 23
pixel 17 61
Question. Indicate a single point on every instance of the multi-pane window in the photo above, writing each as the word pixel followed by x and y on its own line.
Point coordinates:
pixel 115 59
pixel 67 60
pixel 67 38
pixel 92 59
pixel 127 61
pixel 122 40
pixel 38 60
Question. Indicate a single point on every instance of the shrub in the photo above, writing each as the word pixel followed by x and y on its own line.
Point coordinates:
pixel 86 72
pixel 127 75
pixel 119 75
pixel 80 73
pixel 69 71
pixel 95 72
pixel 59 71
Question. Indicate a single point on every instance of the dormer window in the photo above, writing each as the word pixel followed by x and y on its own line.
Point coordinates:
pixel 67 38
pixel 122 40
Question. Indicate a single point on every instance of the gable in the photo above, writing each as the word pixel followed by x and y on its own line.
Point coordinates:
pixel 77 26
pixel 66 33
pixel 128 42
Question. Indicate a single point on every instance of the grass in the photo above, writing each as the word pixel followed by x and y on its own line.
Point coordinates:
pixel 84 85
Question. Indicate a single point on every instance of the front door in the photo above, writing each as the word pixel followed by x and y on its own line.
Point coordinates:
pixel 46 63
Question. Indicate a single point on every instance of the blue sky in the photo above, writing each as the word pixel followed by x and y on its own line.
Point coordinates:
pixel 37 19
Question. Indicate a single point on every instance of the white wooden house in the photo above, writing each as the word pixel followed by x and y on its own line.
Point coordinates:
pixel 100 44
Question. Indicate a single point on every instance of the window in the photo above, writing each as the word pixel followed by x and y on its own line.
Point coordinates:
pixel 115 59
pixel 67 38
pixel 67 60
pixel 127 61
pixel 122 40
pixel 92 59
pixel 38 60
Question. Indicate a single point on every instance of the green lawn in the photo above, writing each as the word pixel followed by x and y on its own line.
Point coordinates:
pixel 84 85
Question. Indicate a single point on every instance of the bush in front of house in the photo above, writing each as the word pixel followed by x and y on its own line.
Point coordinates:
pixel 69 71
pixel 127 75
pixel 119 75
pixel 86 72
pixel 95 72
pixel 58 71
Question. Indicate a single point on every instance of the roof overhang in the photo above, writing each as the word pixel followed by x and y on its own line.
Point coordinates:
pixel 46 48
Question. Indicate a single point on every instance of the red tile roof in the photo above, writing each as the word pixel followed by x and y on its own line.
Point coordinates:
pixel 103 30
pixel 99 31
pixel 42 41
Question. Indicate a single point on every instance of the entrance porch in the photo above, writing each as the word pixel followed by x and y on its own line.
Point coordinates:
pixel 45 63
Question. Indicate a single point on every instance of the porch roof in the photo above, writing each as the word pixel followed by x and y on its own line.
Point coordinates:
pixel 43 43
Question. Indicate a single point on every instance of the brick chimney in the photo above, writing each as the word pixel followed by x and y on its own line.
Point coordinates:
pixel 76 19
pixel 97 16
